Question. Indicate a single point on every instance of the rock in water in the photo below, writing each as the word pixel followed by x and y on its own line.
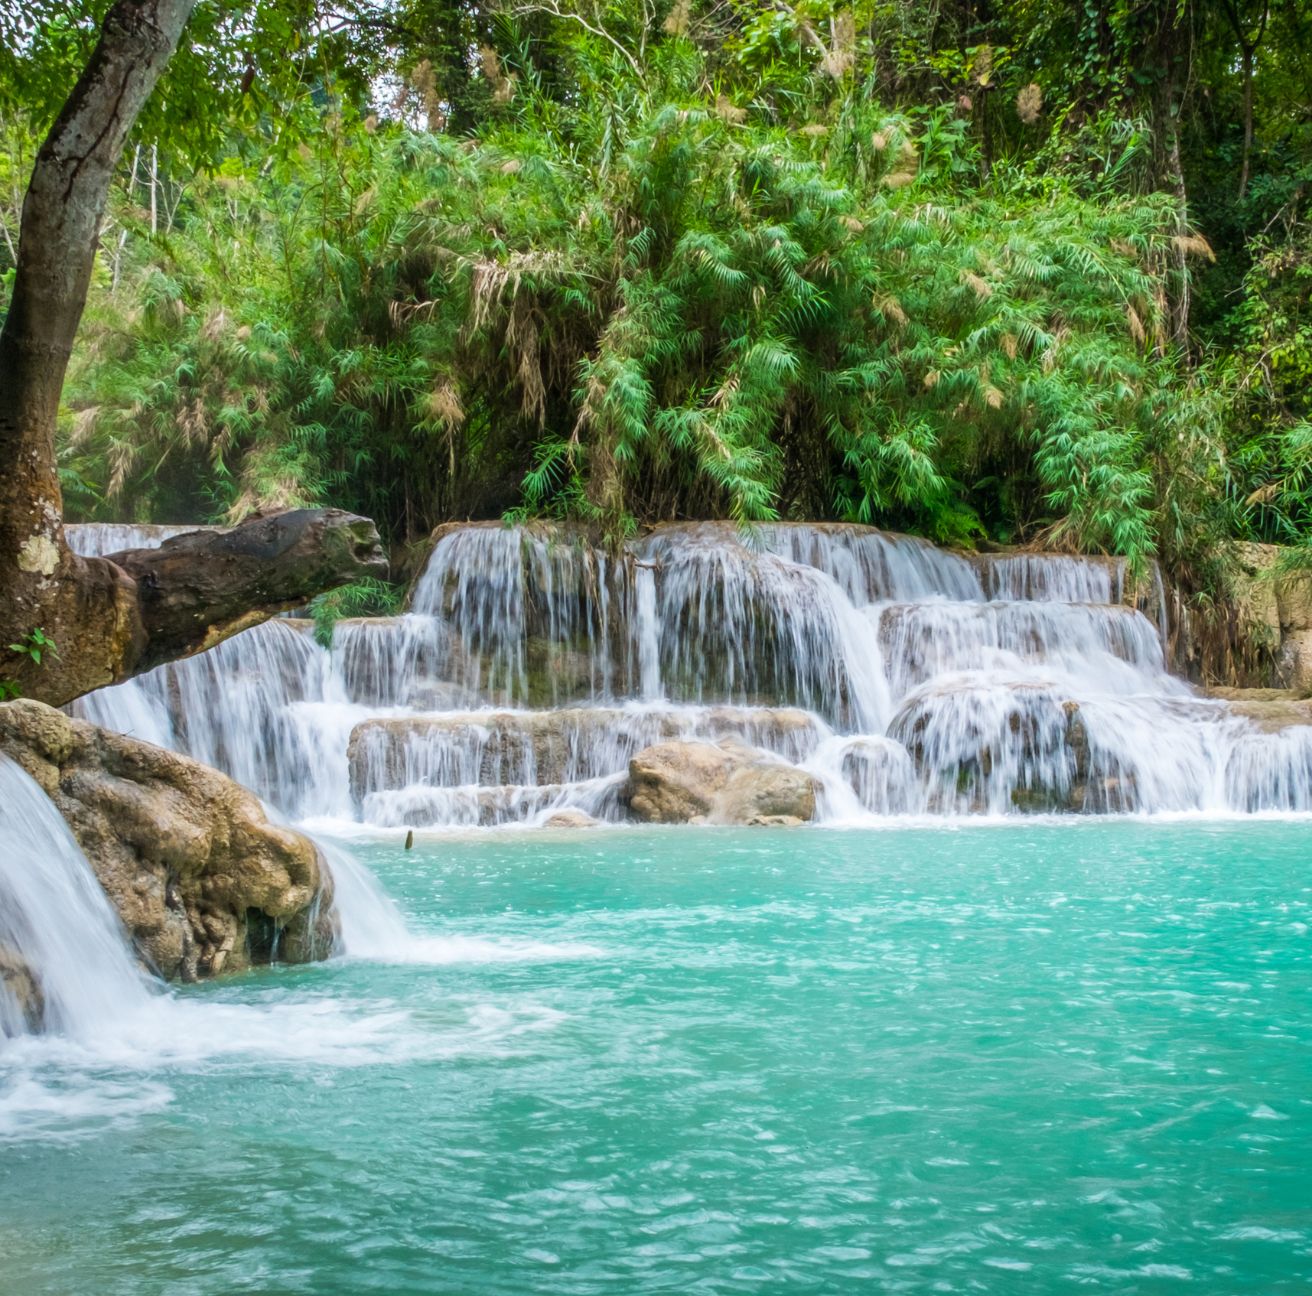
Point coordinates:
pixel 724 782
pixel 201 879
pixel 20 985
pixel 570 818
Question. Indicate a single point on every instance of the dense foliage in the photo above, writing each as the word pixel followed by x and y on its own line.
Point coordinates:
pixel 934 267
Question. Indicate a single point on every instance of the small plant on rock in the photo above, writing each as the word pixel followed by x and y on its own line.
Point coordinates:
pixel 36 645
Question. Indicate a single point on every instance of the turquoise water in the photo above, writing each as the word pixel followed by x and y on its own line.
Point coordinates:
pixel 1031 1059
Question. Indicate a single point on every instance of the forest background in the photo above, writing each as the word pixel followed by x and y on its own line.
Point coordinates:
pixel 1028 272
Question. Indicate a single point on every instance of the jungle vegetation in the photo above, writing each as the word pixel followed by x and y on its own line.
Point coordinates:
pixel 992 271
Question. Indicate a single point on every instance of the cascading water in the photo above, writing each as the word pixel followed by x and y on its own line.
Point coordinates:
pixel 84 1034
pixel 533 666
pixel 55 921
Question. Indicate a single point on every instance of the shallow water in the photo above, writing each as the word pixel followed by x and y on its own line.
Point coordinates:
pixel 1020 1058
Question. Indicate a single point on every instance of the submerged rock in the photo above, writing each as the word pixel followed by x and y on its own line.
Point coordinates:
pixel 722 782
pixel 201 879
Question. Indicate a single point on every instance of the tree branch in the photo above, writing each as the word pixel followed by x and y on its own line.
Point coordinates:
pixel 202 587
pixel 554 9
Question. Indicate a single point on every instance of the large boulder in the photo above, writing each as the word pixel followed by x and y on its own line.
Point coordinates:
pixel 201 879
pixel 717 782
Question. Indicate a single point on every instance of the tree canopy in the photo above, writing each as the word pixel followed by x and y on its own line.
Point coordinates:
pixel 995 272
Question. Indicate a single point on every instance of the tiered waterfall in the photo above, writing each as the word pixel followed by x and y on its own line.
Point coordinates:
pixel 533 666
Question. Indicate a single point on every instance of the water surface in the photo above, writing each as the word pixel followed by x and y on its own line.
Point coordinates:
pixel 1031 1058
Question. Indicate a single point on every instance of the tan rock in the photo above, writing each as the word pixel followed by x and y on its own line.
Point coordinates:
pixel 766 792
pixel 1274 611
pixel 1226 693
pixel 1270 713
pixel 570 818
pixel 203 882
pixel 1255 596
pixel 677 782
pixel 722 782
pixel 1296 657
pixel 1294 599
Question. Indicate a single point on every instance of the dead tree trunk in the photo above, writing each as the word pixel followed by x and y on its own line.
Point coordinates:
pixel 101 613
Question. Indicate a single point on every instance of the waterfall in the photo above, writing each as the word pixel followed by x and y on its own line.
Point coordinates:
pixel 1052 578
pixel 533 665
pixel 56 919
pixel 97 539
pixel 371 925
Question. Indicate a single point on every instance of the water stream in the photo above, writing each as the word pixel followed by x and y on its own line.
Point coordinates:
pixel 56 919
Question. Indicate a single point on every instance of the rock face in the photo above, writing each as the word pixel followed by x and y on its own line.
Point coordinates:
pixel 1276 609
pixel 722 782
pixel 203 882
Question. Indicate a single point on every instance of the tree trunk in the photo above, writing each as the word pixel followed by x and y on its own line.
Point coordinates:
pixel 1249 42
pixel 1168 53
pixel 202 586
pixel 109 619
pixel 60 228
pixel 1247 62
pixel 115 617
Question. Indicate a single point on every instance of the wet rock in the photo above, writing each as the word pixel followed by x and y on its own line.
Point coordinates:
pixel 201 879
pixel 401 661
pixel 1025 748
pixel 721 782
pixel 20 992
pixel 1271 710
pixel 570 819
pixel 536 748
pixel 473 807
pixel 881 775
pixel 477 748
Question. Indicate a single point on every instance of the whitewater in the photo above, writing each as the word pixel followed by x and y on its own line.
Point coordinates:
pixel 532 666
